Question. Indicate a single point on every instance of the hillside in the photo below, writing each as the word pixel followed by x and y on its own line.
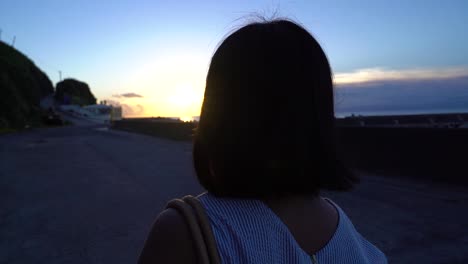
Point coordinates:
pixel 22 85
pixel 71 91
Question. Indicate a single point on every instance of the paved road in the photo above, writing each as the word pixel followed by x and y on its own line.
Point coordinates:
pixel 88 195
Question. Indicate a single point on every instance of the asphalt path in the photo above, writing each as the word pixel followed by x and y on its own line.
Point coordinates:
pixel 87 194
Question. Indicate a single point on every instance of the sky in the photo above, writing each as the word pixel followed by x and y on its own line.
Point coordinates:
pixel 152 56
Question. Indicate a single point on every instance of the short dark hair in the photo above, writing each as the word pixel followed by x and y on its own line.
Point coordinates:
pixel 267 121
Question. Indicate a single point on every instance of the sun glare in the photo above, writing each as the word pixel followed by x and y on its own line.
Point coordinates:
pixel 172 83
pixel 183 96
pixel 184 100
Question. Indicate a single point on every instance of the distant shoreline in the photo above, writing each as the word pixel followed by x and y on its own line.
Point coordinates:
pixel 342 114
pixel 447 120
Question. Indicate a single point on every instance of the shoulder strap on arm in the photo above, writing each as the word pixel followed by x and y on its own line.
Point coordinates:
pixel 205 227
pixel 194 214
pixel 187 213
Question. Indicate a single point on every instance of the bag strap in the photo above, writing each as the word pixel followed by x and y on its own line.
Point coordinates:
pixel 197 220
pixel 187 213
pixel 205 227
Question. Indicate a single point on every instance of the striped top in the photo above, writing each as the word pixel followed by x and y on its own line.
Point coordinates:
pixel 248 231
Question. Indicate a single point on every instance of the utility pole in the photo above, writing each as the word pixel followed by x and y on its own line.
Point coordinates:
pixel 60 76
pixel 13 42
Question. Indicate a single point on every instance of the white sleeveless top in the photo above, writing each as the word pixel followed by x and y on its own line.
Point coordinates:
pixel 248 231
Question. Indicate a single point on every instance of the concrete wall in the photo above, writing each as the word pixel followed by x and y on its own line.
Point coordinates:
pixel 165 129
pixel 436 154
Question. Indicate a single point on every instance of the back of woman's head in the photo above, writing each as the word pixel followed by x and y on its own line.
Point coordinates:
pixel 267 121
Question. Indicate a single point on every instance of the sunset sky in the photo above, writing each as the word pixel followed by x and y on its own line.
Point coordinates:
pixel 152 56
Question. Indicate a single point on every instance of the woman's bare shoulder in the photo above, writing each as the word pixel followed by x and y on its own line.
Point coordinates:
pixel 169 240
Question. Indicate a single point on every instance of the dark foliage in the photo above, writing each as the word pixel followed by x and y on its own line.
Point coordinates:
pixel 71 91
pixel 22 85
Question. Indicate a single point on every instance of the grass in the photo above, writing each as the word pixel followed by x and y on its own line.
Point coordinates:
pixel 6 130
pixel 180 131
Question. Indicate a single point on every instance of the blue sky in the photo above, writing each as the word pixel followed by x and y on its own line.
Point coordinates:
pixel 161 49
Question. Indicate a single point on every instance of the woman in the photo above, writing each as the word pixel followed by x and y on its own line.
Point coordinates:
pixel 264 149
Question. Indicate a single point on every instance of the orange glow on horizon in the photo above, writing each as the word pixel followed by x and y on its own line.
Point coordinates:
pixel 180 86
pixel 172 85
pixel 363 76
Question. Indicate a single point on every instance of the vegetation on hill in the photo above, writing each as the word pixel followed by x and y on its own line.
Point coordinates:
pixel 71 91
pixel 22 85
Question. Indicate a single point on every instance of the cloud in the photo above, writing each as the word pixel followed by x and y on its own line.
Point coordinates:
pixel 127 95
pixel 132 110
pixel 128 110
pixel 362 77
pixel 443 94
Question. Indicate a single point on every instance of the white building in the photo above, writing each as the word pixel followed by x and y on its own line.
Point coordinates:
pixel 97 113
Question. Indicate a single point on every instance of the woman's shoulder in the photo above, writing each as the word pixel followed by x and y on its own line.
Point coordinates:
pixel 169 240
pixel 345 227
pixel 351 242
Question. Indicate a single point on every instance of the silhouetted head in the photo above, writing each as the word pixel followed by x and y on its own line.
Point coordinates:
pixel 267 121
